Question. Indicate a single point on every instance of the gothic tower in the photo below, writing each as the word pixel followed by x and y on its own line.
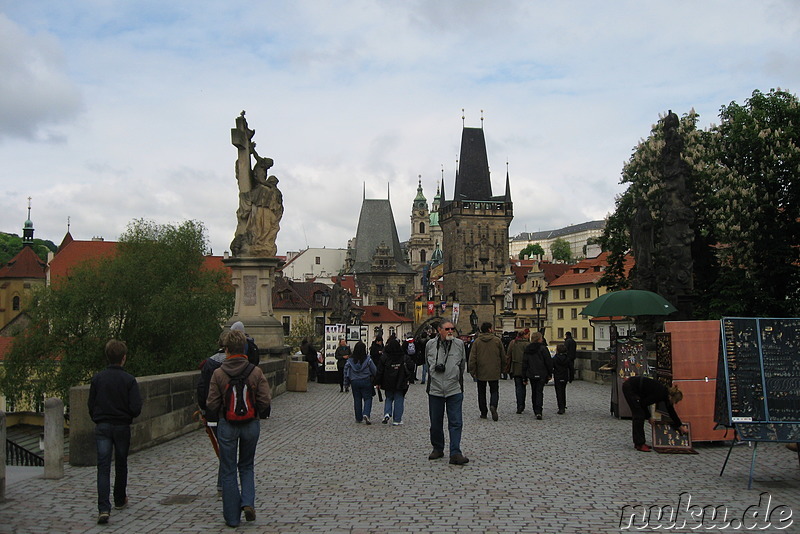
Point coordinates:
pixel 475 234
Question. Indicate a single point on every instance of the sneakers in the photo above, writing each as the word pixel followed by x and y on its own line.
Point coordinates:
pixel 249 513
pixel 397 423
pixel 538 416
pixel 493 409
pixel 644 447
pixel 435 455
pixel 385 419
pixel 459 459
pixel 102 518
pixel 121 505
pixel 366 420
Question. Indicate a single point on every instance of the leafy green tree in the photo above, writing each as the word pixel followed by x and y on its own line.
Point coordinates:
pixel 561 250
pixel 534 249
pixel 154 293
pixel 757 212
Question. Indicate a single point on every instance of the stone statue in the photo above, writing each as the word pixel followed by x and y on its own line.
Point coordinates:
pixel 473 321
pixel 508 294
pixel 260 200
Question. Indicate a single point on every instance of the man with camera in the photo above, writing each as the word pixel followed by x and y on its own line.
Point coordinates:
pixel 446 359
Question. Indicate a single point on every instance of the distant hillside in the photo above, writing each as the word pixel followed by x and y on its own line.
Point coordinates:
pixel 11 244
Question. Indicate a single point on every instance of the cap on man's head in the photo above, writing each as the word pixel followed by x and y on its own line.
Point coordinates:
pixel 238 325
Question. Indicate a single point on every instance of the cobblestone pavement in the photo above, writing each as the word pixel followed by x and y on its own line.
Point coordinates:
pixel 319 471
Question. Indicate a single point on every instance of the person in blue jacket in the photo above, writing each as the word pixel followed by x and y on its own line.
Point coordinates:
pixel 359 372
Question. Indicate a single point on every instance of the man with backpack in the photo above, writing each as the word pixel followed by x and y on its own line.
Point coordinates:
pixel 240 395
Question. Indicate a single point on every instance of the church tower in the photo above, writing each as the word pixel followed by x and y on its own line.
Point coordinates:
pixel 475 234
pixel 420 244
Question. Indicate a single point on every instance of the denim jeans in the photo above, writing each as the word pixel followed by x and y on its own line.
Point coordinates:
pixel 106 437
pixel 394 405
pixel 243 439
pixel 362 397
pixel 521 390
pixel 436 410
pixel 494 394
pixel 537 394
pixel 424 372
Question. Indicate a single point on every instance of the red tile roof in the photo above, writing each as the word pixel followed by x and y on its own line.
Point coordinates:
pixel 287 294
pixel 74 253
pixel 382 314
pixel 588 271
pixel 26 264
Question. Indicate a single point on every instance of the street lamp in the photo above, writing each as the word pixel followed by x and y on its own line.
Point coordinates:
pixel 539 297
pixel 326 299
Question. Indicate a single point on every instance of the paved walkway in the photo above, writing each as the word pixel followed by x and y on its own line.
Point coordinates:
pixel 319 471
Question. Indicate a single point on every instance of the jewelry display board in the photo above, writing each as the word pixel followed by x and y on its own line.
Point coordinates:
pixel 760 360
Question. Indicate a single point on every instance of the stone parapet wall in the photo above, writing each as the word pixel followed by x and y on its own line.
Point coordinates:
pixel 588 364
pixel 168 411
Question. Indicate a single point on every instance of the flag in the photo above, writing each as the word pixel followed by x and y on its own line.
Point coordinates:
pixel 456 311
pixel 431 308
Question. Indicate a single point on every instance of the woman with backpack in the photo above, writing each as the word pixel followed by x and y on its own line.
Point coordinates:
pixel 359 373
pixel 395 372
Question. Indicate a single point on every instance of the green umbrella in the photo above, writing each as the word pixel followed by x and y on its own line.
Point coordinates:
pixel 630 302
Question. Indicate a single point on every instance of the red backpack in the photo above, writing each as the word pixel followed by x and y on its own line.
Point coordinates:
pixel 240 400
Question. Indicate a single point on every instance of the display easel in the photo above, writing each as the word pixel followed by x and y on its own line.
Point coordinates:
pixel 760 398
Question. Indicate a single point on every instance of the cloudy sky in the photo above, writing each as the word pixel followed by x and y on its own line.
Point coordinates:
pixel 112 111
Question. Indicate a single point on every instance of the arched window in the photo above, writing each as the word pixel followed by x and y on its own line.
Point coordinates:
pixel 422 256
pixel 422 227
pixel 15 303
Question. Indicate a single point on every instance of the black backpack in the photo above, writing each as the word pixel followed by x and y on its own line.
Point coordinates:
pixel 240 400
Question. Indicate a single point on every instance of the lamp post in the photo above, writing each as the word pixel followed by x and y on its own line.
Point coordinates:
pixel 539 297
pixel 326 300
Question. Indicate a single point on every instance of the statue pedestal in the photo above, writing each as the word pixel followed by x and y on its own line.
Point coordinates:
pixel 252 279
pixel 507 321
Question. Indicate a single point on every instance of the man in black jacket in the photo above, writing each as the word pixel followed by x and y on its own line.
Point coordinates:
pixel 114 401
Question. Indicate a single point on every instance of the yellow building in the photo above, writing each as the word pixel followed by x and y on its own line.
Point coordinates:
pixel 572 292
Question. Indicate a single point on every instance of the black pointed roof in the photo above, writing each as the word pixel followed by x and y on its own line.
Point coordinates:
pixel 472 180
pixel 376 227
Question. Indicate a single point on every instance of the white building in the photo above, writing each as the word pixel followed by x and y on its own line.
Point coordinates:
pixel 577 235
pixel 317 264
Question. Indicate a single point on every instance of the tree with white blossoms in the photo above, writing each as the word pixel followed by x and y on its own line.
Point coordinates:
pixel 743 178
pixel 756 176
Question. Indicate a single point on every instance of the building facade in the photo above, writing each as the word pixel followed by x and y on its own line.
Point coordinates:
pixel 581 238
pixel 426 236
pixel 474 235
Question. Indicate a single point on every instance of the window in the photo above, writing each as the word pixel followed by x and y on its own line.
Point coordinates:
pixel 524 301
pixel 422 256
pixel 562 294
pixel 602 332
pixel 316 260
pixel 560 333
pixel 484 288
pixel 422 228
pixel 576 294
pixel 587 293
pixel 401 290
pixel 391 331
pixel 573 314
pixel 15 303
pixel 401 307
pixel 574 332
pixel 584 333
pixel 560 314
pixel 287 325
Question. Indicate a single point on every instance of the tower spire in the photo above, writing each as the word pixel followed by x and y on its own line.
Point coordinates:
pixel 27 230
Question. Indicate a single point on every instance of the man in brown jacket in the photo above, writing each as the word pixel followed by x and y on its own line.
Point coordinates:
pixel 486 359
pixel 241 437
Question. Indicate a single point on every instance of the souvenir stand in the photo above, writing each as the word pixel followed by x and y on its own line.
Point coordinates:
pixel 630 359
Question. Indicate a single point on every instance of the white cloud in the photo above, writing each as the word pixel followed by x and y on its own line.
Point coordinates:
pixel 142 96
